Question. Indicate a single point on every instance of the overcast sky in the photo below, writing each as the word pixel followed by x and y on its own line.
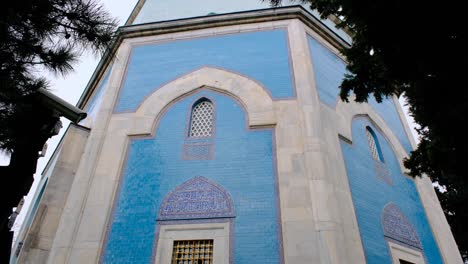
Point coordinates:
pixel 71 86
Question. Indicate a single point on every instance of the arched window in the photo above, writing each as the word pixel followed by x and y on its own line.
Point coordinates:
pixel 201 119
pixel 374 145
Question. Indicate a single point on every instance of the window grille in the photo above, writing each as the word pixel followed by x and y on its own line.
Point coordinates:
pixel 201 121
pixel 373 145
pixel 192 252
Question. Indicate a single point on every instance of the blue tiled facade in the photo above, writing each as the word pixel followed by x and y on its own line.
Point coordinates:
pixel 226 178
pixel 387 110
pixel 242 164
pixel 371 194
pixel 262 56
pixel 329 72
pixel 241 161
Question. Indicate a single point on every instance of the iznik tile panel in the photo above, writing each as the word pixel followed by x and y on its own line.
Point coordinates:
pixel 371 195
pixel 329 72
pixel 242 165
pixel 262 56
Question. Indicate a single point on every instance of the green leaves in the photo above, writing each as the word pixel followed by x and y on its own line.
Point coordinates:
pixel 419 51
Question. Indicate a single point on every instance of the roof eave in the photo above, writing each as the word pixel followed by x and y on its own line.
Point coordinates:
pixel 195 23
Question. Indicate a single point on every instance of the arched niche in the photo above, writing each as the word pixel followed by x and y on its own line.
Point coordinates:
pixel 348 112
pixel 255 99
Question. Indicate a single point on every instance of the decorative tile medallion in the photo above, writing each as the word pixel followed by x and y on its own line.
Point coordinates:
pixel 198 198
pixel 397 227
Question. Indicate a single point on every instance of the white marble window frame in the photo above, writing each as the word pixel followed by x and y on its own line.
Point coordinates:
pixel 219 232
pixel 400 252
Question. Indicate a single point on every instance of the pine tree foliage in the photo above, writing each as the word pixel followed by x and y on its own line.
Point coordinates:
pixel 415 49
pixel 38 35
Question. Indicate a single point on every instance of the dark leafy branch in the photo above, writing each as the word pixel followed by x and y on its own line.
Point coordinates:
pixel 416 48
pixel 37 36
pixel 43 34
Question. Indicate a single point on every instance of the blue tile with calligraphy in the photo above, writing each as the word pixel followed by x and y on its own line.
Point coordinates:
pixel 385 211
pixel 237 182
pixel 198 198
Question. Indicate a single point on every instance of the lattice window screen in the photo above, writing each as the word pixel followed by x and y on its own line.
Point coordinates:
pixel 201 123
pixel 372 145
pixel 192 252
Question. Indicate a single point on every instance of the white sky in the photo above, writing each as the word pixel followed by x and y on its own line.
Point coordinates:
pixel 71 86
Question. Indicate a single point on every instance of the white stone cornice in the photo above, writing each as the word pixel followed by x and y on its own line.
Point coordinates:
pixel 347 112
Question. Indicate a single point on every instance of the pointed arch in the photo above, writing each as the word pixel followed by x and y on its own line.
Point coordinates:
pixel 352 110
pixel 255 99
pixel 398 228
